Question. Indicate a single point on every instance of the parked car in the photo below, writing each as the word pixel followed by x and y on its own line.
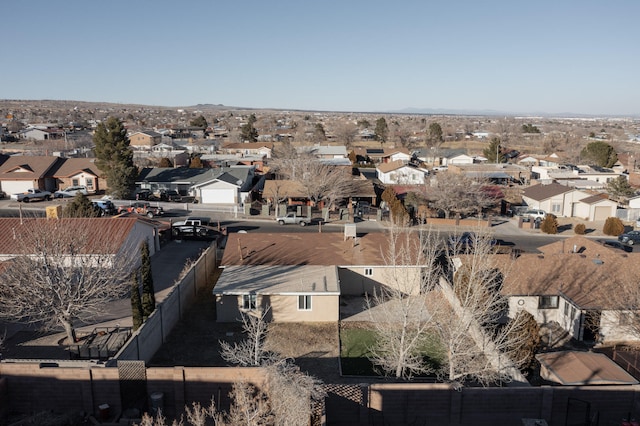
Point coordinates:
pixel 194 227
pixel 170 195
pixel 616 245
pixel 71 191
pixel 32 194
pixel 535 214
pixel 631 237
pixel 107 208
pixel 143 208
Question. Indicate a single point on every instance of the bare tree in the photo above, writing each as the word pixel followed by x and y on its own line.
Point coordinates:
pixel 346 132
pixel 457 194
pixel 399 313
pixel 289 162
pixel 480 344
pixel 251 351
pixel 62 274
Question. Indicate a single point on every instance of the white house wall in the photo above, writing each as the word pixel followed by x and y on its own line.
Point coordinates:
pixel 611 330
pixel 358 280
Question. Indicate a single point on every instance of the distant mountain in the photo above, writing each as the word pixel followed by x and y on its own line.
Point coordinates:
pixel 492 112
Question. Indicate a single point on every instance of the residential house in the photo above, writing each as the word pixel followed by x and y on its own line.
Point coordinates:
pixel 181 179
pixel 145 140
pixel 292 293
pixel 554 198
pixel 231 187
pixel 43 134
pixel 20 172
pixel 292 193
pixel 79 171
pixel 251 149
pixel 595 207
pixel 572 283
pixel 107 236
pixel 398 172
pixel 325 151
pixel 457 159
pixel 383 155
pixel 502 173
pixel 302 276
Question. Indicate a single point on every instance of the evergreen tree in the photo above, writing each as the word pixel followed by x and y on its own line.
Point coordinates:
pixel 435 133
pixel 136 301
pixel 248 132
pixel 493 153
pixel 114 157
pixel 199 122
pixel 600 154
pixel 148 292
pixel 81 206
pixel 620 187
pixel 382 130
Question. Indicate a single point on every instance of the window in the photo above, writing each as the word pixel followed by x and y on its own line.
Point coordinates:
pixel 368 272
pixel 566 309
pixel 304 303
pixel 573 312
pixel 248 301
pixel 556 207
pixel 89 183
pixel 548 302
pixel 75 182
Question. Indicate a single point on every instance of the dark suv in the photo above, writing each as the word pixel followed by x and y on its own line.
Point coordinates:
pixel 631 237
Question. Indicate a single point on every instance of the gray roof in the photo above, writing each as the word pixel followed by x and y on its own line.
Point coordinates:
pixel 269 279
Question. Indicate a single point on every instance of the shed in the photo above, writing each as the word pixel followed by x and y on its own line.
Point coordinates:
pixel 573 368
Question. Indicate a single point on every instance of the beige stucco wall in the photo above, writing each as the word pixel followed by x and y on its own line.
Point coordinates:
pixel 284 308
pixel 353 280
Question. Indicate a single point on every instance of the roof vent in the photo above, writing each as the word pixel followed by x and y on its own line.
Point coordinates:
pixel 597 261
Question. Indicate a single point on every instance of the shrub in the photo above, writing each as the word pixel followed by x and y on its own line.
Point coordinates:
pixel 580 229
pixel 613 226
pixel 549 225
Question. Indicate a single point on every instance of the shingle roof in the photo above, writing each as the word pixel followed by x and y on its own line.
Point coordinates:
pixel 32 167
pixel 581 269
pixel 390 166
pixel 72 166
pixel 106 235
pixel 265 279
pixel 304 249
pixel 595 199
pixel 544 192
pixel 574 368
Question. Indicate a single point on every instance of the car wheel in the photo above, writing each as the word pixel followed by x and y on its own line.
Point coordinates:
pixel 630 242
pixel 303 223
pixel 25 199
pixel 150 215
pixel 47 198
pixel 281 222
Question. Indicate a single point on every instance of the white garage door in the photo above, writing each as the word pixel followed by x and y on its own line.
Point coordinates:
pixel 218 196
pixel 602 213
pixel 16 186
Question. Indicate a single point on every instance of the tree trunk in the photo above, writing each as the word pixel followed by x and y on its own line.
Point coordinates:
pixel 68 328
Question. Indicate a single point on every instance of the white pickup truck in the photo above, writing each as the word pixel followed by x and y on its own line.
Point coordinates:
pixel 292 218
pixel 32 194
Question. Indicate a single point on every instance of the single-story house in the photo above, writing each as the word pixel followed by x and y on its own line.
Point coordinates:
pixel 554 198
pixel 399 172
pixel 457 159
pixel 595 207
pixel 325 151
pixel 309 293
pixel 572 282
pixel 233 186
pixel 80 171
pixel 106 236
pixel 21 172
pixel 181 179
pixel 259 149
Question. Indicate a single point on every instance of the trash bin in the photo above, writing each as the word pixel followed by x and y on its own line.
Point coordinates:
pixel 103 411
pixel 157 402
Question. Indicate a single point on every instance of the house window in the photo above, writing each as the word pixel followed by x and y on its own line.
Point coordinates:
pixel 248 301
pixel 573 312
pixel 304 303
pixel 75 182
pixel 566 309
pixel 368 272
pixel 89 183
pixel 548 302
pixel 556 208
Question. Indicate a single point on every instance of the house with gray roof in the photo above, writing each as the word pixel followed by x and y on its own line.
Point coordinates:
pixel 232 186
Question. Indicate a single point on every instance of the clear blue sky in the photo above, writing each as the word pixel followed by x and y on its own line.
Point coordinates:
pixel 514 56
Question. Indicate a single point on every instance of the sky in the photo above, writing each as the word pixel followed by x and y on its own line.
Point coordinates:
pixel 544 56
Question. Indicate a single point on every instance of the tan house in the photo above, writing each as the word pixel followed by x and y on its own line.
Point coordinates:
pixel 21 172
pixel 145 140
pixel 276 270
pixel 250 149
pixel 80 171
pixel 576 282
pixel 293 293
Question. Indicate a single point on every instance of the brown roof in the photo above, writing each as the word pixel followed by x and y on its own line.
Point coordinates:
pixel 574 368
pixel 284 188
pixel 581 269
pixel 32 167
pixel 106 235
pixel 304 249
pixel 544 192
pixel 390 166
pixel 249 145
pixel 73 166
pixel 595 199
